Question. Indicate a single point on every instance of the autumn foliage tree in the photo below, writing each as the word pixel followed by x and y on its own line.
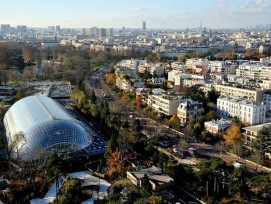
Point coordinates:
pixel 138 101
pixel 28 53
pixel 115 165
pixel 233 135
pixel 110 79
pixel 27 74
pixel 174 120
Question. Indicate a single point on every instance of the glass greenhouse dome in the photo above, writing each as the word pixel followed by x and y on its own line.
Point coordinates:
pixel 39 126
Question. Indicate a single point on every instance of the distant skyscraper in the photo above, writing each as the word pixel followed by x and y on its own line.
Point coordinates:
pixel 5 28
pixel 144 26
pixel 83 31
pixel 110 33
pixel 51 28
pixel 57 28
pixel 102 32
pixel 21 28
pixel 93 31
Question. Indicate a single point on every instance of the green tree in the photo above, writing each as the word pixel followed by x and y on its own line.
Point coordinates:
pixel 211 115
pixel 262 143
pixel 92 96
pixel 197 129
pixel 155 200
pixel 195 93
pixel 260 185
pixel 111 146
pixel 136 125
pixel 53 167
pixel 213 95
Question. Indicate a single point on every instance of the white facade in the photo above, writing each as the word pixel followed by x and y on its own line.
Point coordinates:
pixel 246 111
pixel 194 63
pixel 254 70
pixel 222 67
pixel 217 126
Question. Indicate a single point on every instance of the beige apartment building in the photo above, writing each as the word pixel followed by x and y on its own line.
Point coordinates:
pixel 254 95
pixel 164 102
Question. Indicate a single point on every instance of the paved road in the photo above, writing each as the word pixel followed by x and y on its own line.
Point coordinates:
pixel 157 128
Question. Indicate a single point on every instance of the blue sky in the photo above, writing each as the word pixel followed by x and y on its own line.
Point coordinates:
pixel 130 13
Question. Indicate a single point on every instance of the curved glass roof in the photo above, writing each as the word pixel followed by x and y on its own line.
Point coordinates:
pixel 46 125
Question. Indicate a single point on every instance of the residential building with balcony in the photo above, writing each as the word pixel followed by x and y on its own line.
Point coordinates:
pixel 254 70
pixel 246 111
pixel 222 67
pixel 189 108
pixel 250 133
pixel 192 64
pixel 164 102
pixel 254 94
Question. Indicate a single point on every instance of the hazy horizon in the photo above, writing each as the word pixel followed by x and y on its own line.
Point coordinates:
pixel 160 14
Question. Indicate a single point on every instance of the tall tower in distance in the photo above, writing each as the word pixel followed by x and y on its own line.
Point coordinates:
pixel 144 26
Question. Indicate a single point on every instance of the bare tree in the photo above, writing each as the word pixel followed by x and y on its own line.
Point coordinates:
pixel 16 144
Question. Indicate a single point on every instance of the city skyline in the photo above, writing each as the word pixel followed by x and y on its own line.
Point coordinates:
pixel 171 14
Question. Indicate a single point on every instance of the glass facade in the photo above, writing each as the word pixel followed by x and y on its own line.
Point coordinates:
pixel 46 126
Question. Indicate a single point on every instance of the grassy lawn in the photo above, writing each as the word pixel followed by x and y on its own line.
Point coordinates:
pixel 95 67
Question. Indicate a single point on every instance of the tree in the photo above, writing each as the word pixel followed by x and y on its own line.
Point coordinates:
pixel 110 79
pixel 262 143
pixel 182 146
pixel 115 165
pixel 233 135
pixel 111 146
pixel 182 57
pixel 195 93
pixel 6 53
pixel 104 111
pixel 197 129
pixel 211 115
pixel 260 185
pixel 136 125
pixel 28 53
pixel 213 95
pixel 92 96
pixel 27 74
pixel 138 101
pixel 174 120
pixel 155 200
pixel 16 144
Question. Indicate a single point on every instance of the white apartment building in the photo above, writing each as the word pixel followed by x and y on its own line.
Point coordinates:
pixel 254 95
pixel 187 108
pixel 222 67
pixel 217 127
pixel 164 102
pixel 245 110
pixel 172 74
pixel 254 70
pixel 129 84
pixel 192 64
pixel 192 82
pixel 177 65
